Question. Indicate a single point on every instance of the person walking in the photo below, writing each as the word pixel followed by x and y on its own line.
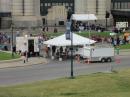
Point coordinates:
pixel 25 57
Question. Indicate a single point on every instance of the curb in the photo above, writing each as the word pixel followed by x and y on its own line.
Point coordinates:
pixel 22 66
pixel 126 50
pixel 10 61
pixel 29 64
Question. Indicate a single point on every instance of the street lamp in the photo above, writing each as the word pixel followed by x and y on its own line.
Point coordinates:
pixel 70 34
pixel 12 45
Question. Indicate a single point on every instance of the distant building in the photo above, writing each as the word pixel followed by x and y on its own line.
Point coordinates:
pixel 121 11
pixel 54 12
pixel 26 13
pixel 5 12
pixel 36 13
pixel 97 7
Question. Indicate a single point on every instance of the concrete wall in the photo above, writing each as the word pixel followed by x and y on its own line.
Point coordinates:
pixel 27 15
pixel 31 14
pixel 90 7
pixel 56 14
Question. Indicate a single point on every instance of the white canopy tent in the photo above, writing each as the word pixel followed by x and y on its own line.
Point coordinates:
pixel 61 41
pixel 83 17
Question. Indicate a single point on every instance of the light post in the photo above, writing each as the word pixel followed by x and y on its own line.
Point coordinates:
pixel 12 45
pixel 69 36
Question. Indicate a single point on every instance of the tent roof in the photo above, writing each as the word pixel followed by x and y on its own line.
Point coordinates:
pixel 83 17
pixel 61 41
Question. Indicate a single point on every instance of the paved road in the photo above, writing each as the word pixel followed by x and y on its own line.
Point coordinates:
pixel 55 69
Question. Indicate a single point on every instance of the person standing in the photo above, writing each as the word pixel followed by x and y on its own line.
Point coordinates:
pixel 53 50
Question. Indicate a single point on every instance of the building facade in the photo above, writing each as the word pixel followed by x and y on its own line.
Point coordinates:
pixel 34 13
pixel 5 12
pixel 121 11
pixel 26 13
pixel 97 7
pixel 54 12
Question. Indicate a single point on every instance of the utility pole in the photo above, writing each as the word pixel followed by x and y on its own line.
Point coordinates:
pixel 12 34
pixel 69 36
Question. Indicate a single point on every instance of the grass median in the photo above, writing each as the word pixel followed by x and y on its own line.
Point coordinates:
pixel 7 56
pixel 94 85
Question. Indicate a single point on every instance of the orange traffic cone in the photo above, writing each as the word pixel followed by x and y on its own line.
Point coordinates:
pixel 118 60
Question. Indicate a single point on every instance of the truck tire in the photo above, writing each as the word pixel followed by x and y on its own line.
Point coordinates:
pixel 109 60
pixel 103 60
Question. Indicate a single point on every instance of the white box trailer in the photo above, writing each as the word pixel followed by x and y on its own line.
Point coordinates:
pixel 103 54
pixel 29 44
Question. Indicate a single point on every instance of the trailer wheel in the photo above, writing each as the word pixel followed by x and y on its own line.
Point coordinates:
pixel 109 59
pixel 103 60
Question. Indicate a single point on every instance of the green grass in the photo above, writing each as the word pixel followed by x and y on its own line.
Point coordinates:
pixel 126 46
pixel 102 34
pixel 52 34
pixel 84 33
pixel 7 56
pixel 94 85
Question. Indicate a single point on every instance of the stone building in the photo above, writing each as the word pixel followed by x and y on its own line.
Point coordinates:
pixel 26 13
pixel 5 13
pixel 120 10
pixel 35 13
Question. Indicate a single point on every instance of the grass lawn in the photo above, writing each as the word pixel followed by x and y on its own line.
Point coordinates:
pixel 84 33
pixel 7 56
pixel 52 34
pixel 94 85
pixel 102 34
pixel 126 46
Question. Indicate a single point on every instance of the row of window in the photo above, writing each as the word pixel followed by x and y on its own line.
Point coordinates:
pixel 55 4
pixel 121 5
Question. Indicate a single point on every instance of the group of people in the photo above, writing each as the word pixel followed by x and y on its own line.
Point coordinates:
pixel 45 29
pixel 57 52
pixel 4 41
pixel 114 40
pixel 79 26
pixel 4 38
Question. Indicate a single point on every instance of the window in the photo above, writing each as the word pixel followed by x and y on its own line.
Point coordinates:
pixel 118 5
pixel 128 5
pixel 112 6
pixel 41 4
pixel 71 4
pixel 63 4
pixel 45 4
pixel 66 4
pixel 49 4
pixel 60 3
pixel 53 4
pixel 122 5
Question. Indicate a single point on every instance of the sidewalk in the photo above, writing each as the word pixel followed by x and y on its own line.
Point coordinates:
pixel 20 63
